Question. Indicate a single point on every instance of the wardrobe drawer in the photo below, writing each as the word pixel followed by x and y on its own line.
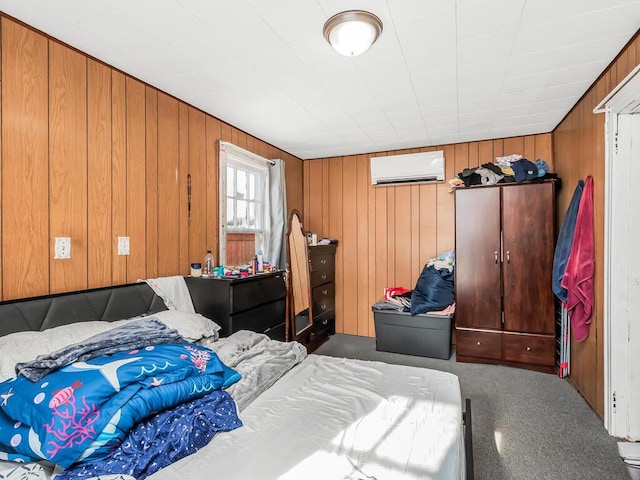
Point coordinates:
pixel 321 277
pixel 323 298
pixel 481 344
pixel 536 349
pixel 321 262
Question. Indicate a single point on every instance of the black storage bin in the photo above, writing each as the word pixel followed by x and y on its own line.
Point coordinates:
pixel 424 335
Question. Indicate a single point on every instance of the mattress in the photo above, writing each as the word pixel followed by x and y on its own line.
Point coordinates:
pixel 336 418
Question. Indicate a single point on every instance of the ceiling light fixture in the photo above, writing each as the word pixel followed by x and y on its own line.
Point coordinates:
pixel 351 33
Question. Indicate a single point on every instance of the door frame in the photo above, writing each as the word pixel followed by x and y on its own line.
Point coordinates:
pixel 623 99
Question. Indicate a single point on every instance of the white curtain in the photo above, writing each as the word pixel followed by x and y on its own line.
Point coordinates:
pixel 275 252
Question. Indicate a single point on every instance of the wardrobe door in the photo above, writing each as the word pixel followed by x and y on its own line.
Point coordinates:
pixel 528 244
pixel 477 277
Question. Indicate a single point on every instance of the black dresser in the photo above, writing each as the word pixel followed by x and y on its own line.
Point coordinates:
pixel 323 293
pixel 255 303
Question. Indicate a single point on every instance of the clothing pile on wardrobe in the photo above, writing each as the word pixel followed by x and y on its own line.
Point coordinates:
pixel 433 293
pixel 508 169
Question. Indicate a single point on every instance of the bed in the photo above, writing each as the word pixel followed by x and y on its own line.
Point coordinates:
pixel 270 412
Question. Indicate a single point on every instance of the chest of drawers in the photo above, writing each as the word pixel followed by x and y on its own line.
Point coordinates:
pixel 322 284
pixel 255 303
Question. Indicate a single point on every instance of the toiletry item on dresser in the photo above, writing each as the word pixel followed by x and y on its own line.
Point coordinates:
pixel 196 270
pixel 260 262
pixel 208 264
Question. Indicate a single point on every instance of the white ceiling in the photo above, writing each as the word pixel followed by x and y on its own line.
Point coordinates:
pixel 443 71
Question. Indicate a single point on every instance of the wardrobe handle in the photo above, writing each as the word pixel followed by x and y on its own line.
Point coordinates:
pixel 495 256
pixel 508 257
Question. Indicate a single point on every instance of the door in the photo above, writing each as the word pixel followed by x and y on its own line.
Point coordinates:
pixel 621 258
pixel 477 282
pixel 623 285
pixel 528 241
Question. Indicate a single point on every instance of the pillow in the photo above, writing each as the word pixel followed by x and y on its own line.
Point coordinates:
pixel 27 346
pixel 191 326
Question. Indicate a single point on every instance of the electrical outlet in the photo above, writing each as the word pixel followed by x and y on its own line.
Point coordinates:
pixel 123 245
pixel 62 248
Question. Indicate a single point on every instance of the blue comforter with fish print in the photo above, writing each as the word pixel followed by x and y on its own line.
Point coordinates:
pixel 82 411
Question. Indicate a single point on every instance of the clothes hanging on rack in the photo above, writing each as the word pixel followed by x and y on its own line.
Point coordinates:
pixel 579 272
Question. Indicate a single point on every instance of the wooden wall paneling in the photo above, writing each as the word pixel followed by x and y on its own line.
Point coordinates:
pixel 397 228
pixel 474 152
pixel 335 230
pixel 391 236
pixel 183 171
pixel 416 261
pixel 498 148
pixel 404 234
pixel 198 170
pixel 136 180
pixel 68 164
pixel 99 247
pixel 380 250
pixel 544 149
pixel 515 145
pixel 325 196
pixel 599 226
pixel 374 295
pixel 485 152
pixel 151 180
pixel 530 147
pixel 118 175
pixel 226 132
pixel 306 182
pixel 577 144
pixel 213 136
pixel 349 246
pixel 445 204
pixel 0 158
pixel 168 193
pixel 294 182
pixel 363 259
pixel 428 223
pixel 26 251
pixel 313 221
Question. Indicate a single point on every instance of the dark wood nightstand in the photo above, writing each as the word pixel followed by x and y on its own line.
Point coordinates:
pixel 255 303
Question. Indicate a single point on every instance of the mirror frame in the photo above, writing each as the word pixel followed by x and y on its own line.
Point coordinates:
pixel 298 278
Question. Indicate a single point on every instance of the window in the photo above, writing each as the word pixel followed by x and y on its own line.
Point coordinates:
pixel 244 204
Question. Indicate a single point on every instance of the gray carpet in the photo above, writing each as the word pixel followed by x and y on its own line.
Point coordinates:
pixel 526 425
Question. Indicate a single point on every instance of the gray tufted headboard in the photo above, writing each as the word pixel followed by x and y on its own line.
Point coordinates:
pixel 108 304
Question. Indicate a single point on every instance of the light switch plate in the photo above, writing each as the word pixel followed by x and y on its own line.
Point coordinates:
pixel 123 245
pixel 62 248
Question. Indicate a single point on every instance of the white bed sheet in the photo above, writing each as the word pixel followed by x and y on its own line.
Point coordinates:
pixel 334 418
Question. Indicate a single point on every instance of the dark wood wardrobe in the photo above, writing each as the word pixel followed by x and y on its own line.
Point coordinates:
pixel 504 255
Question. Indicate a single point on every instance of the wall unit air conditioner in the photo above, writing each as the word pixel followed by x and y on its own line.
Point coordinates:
pixel 408 168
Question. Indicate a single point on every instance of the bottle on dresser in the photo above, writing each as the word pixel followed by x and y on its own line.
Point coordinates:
pixel 208 264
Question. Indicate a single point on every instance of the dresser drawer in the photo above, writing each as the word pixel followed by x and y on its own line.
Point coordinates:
pixel 321 277
pixel 260 319
pixel 323 298
pixel 481 344
pixel 251 293
pixel 536 349
pixel 325 324
pixel 321 262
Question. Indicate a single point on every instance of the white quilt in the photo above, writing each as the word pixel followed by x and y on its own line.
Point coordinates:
pixel 331 418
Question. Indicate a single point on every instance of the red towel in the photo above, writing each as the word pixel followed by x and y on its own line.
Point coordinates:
pixel 579 272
